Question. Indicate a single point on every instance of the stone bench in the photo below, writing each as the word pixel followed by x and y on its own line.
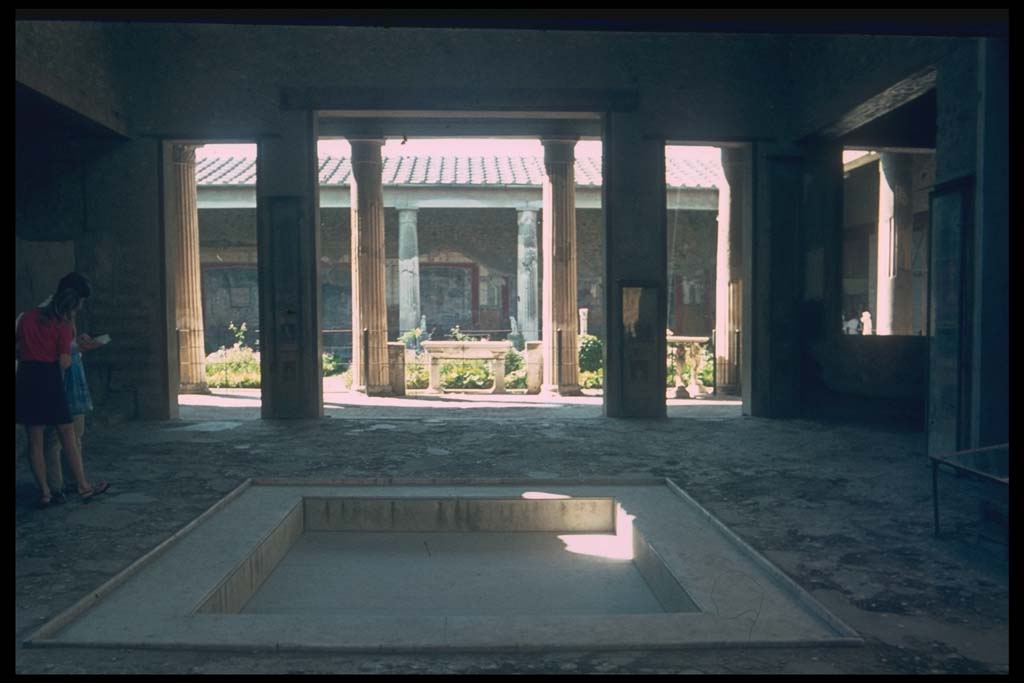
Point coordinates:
pixel 492 351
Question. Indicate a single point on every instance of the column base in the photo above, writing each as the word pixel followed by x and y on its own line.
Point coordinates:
pixel 200 388
pixel 681 392
pixel 383 390
pixel 564 390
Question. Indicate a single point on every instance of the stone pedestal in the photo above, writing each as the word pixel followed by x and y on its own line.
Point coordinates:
pixel 396 367
pixel 534 366
pixel 369 303
pixel 559 310
pixel 191 346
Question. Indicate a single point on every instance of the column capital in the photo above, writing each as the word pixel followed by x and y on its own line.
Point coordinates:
pixel 366 150
pixel 184 154
pixel 559 150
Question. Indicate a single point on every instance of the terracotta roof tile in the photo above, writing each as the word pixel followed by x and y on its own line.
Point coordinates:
pixel 456 170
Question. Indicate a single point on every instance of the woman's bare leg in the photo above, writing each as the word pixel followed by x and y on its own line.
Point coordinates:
pixel 74 455
pixel 37 459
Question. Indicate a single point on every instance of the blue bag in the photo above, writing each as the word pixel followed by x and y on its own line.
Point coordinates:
pixel 76 390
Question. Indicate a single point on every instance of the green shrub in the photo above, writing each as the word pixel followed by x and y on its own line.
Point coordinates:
pixel 591 353
pixel 707 373
pixel 516 379
pixel 416 376
pixel 513 361
pixel 238 332
pixel 670 373
pixel 592 379
pixel 466 374
pixel 333 365
pixel 237 367
pixel 458 335
pixel 412 338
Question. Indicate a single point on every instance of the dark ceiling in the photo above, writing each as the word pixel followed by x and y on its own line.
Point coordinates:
pixel 912 125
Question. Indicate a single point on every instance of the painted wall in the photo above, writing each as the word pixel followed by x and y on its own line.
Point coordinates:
pixel 457 247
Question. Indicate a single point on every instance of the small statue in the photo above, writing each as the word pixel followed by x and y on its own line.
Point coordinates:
pixel 865 323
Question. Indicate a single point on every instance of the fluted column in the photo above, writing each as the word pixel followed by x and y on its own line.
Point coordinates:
pixel 724 363
pixel 527 275
pixel 894 289
pixel 561 371
pixel 191 346
pixel 408 272
pixel 369 302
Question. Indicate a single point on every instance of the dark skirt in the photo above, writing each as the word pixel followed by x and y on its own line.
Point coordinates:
pixel 40 396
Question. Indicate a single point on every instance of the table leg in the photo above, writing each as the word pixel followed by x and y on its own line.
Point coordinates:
pixel 498 370
pixel 434 384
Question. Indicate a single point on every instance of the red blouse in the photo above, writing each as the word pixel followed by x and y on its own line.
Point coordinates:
pixel 41 339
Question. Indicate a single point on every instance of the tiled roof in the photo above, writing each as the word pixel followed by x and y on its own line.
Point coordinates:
pixel 525 171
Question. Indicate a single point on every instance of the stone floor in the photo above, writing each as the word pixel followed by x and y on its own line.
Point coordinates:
pixel 844 509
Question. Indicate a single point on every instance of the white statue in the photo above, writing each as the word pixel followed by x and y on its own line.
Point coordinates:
pixel 865 321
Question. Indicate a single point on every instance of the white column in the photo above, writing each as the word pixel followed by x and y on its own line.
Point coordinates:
pixel 408 272
pixel 191 345
pixel 723 254
pixel 527 275
pixel 894 275
pixel 884 259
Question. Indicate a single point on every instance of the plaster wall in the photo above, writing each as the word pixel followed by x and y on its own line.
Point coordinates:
pixel 75 64
pixel 832 75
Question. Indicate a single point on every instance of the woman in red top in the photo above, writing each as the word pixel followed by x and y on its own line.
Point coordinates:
pixel 43 343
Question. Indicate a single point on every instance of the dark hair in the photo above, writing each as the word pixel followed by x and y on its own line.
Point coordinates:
pixel 77 282
pixel 71 290
pixel 62 303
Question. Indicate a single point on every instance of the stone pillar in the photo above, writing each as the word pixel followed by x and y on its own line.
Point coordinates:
pixel 288 245
pixel 396 368
pixel 408 272
pixel 191 346
pixel 894 277
pixel 633 197
pixel 369 301
pixel 527 275
pixel 990 394
pixel 772 285
pixel 561 371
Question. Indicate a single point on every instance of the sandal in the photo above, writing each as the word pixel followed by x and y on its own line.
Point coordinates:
pixel 44 502
pixel 96 490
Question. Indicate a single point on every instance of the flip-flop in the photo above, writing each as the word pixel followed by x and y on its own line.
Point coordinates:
pixel 58 498
pixel 44 503
pixel 96 490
